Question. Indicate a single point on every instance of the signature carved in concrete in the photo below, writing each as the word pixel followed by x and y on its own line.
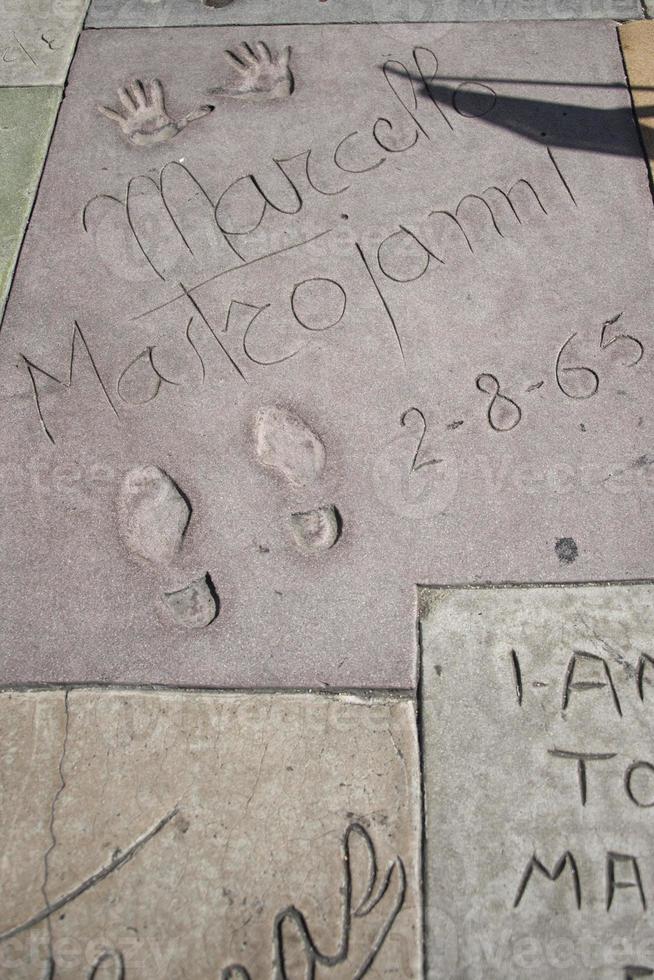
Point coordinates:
pixel 381 900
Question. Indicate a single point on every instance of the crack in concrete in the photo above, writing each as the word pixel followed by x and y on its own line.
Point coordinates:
pixel 53 837
pixel 400 755
pixel 119 860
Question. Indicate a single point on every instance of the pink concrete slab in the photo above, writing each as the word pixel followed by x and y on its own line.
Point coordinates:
pixel 445 283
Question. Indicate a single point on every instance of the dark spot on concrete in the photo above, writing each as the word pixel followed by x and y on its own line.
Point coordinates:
pixel 566 550
pixel 263 549
pixel 455 424
pixel 582 426
pixel 438 669
pixel 644 460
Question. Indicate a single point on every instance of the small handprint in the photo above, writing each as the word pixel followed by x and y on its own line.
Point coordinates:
pixel 264 75
pixel 144 120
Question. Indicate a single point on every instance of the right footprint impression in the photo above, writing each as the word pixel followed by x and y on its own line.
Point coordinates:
pixel 153 516
pixel 285 443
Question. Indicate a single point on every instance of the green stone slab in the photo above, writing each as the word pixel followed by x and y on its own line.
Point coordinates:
pixel 27 116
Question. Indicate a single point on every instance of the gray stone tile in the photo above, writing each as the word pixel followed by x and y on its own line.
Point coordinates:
pixel 160 13
pixel 242 487
pixel 27 116
pixel 536 717
pixel 37 40
pixel 181 829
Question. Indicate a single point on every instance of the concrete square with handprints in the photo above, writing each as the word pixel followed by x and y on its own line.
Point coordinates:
pixel 539 781
pixel 37 40
pixel 291 333
pixel 27 116
pixel 190 835
pixel 168 13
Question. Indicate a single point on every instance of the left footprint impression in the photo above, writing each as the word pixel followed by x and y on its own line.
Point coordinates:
pixel 153 517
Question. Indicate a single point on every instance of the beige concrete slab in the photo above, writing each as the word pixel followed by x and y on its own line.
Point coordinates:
pixel 539 786
pixel 32 731
pixel 27 116
pixel 637 41
pixel 37 40
pixel 183 830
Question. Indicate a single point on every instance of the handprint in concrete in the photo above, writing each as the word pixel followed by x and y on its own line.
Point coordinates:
pixel 144 119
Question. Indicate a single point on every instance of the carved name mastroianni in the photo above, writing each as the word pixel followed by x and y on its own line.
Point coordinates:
pixel 315 306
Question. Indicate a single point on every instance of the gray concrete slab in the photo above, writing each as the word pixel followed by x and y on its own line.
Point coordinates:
pixel 37 40
pixel 308 362
pixel 139 839
pixel 169 13
pixel 536 721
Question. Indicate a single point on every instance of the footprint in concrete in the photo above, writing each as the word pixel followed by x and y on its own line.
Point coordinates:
pixel 194 606
pixel 153 517
pixel 153 514
pixel 316 530
pixel 287 445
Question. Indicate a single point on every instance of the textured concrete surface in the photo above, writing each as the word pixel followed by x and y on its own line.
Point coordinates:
pixel 177 835
pixel 32 731
pixel 637 41
pixel 27 116
pixel 473 377
pixel 160 13
pixel 37 40
pixel 536 719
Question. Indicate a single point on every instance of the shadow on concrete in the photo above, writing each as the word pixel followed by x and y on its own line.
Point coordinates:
pixel 568 125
